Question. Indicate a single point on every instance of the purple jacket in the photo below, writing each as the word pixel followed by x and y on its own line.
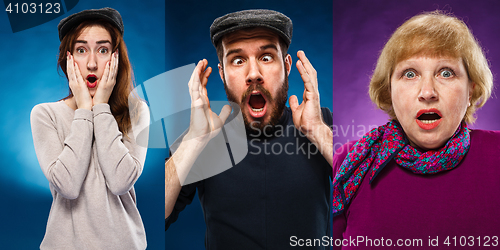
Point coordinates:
pixel 455 208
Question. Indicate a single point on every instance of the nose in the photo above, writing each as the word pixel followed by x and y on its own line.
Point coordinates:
pixel 92 62
pixel 254 75
pixel 428 89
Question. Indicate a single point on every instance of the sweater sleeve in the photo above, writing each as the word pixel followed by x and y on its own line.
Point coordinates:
pixel 121 158
pixel 64 163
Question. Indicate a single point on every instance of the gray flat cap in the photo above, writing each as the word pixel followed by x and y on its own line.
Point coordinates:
pixel 108 14
pixel 271 19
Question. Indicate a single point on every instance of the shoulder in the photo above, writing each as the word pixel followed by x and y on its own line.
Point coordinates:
pixel 44 106
pixel 49 115
pixel 143 107
pixel 45 109
pixel 341 154
pixel 483 134
pixel 140 119
pixel 142 112
pixel 485 138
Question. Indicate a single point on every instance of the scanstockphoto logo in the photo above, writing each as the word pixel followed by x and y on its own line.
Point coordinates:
pixel 29 14
pixel 169 103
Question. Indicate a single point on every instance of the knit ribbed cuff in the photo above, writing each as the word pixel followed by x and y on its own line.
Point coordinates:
pixel 84 114
pixel 101 108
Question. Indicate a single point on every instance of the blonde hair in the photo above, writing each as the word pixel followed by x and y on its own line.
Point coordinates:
pixel 432 34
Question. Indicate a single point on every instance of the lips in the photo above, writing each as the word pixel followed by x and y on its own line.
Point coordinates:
pixel 91 81
pixel 428 118
pixel 257 104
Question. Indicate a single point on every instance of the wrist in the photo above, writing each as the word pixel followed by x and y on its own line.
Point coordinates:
pixel 196 143
pixel 100 101
pixel 87 106
pixel 321 135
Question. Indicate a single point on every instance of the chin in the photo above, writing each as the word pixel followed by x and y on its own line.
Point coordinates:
pixel 260 121
pixel 257 124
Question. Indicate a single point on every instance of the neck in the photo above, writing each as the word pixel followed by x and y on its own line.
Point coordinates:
pixel 71 103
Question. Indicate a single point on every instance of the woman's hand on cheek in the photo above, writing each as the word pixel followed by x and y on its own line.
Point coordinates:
pixel 77 84
pixel 108 81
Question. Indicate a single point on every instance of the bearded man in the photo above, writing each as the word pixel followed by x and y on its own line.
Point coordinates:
pixel 272 198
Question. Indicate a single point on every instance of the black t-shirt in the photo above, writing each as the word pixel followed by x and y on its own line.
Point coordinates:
pixel 280 190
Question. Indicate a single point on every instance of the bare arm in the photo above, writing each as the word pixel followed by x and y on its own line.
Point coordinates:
pixel 176 170
pixel 172 186
pixel 322 137
pixel 204 125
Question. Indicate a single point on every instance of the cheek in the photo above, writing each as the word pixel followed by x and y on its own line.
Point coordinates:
pixel 276 70
pixel 80 61
pixel 458 102
pixel 399 99
pixel 274 78
pixel 103 62
pixel 234 80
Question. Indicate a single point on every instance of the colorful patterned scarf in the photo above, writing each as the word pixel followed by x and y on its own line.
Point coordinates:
pixel 384 143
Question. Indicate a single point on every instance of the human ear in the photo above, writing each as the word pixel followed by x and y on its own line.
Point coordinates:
pixel 472 85
pixel 288 64
pixel 221 72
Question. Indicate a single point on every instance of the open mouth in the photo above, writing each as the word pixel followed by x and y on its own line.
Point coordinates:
pixel 91 81
pixel 257 104
pixel 428 119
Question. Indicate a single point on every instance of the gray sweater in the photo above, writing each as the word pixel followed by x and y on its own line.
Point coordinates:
pixel 91 169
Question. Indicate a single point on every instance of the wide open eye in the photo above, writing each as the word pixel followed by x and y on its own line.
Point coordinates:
pixel 80 50
pixel 103 50
pixel 410 74
pixel 237 61
pixel 267 58
pixel 446 73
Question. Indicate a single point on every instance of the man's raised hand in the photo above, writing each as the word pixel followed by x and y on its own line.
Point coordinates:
pixel 204 124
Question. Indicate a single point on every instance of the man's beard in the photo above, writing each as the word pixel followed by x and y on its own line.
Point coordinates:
pixel 258 126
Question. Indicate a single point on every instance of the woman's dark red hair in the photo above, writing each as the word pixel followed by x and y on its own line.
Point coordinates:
pixel 119 99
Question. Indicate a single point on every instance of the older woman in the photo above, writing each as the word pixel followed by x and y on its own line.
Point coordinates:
pixel 424 178
pixel 86 143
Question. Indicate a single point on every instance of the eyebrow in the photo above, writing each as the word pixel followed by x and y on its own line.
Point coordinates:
pixel 98 42
pixel 264 47
pixel 233 51
pixel 269 46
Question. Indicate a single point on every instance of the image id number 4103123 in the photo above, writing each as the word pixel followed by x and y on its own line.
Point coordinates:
pixel 33 8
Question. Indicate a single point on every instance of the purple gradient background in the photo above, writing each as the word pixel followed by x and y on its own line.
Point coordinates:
pixel 360 30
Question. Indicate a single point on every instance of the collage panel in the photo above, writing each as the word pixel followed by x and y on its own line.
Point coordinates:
pixel 267 197
pixel 74 172
pixel 250 106
pixel 415 147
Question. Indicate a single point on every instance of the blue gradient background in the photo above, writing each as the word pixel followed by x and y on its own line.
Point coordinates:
pixel 29 76
pixel 361 29
pixel 188 41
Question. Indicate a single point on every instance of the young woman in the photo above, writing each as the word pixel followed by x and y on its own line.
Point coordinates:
pixel 87 143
